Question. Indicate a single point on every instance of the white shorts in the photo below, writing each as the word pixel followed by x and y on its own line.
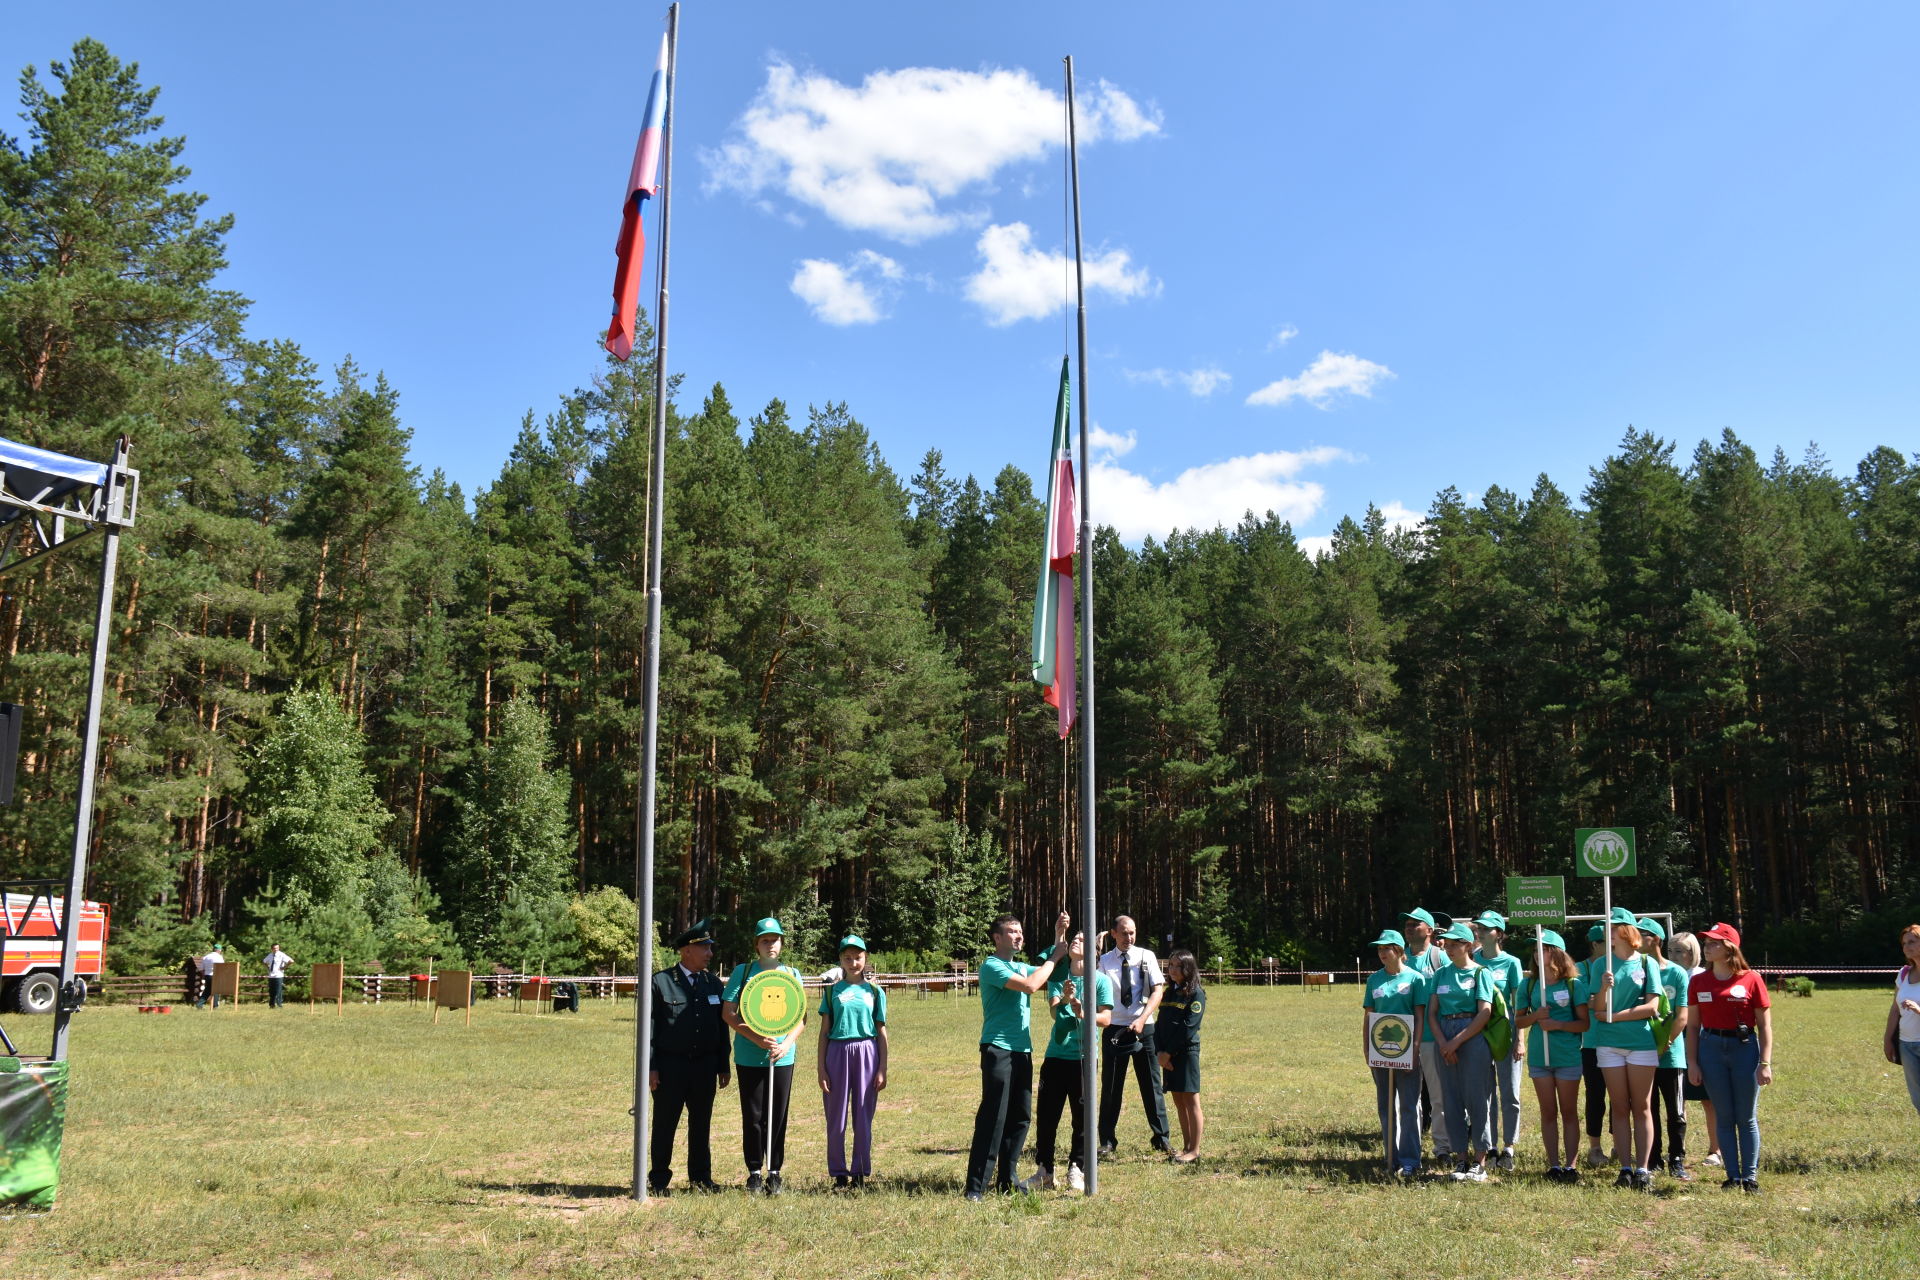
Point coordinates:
pixel 1627 1057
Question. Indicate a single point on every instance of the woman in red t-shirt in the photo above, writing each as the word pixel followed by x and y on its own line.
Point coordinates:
pixel 1730 1049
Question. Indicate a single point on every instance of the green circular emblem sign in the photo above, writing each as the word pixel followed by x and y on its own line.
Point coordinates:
pixel 1392 1037
pixel 773 1003
pixel 1605 853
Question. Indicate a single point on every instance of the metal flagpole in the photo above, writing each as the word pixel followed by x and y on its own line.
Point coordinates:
pixel 1090 1034
pixel 656 527
pixel 64 1004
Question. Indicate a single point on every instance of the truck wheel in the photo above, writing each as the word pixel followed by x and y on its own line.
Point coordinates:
pixel 37 993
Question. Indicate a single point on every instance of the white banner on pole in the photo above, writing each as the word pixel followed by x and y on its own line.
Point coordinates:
pixel 1390 1042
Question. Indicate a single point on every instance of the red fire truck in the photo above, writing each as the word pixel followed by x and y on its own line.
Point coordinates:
pixel 30 949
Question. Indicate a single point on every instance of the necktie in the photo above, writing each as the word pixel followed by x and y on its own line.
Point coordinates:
pixel 1126 981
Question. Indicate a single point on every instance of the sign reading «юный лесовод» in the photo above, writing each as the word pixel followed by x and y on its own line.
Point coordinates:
pixel 1604 851
pixel 1537 900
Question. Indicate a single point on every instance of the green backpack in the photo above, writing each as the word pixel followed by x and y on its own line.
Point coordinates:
pixel 1666 1017
pixel 1499 1029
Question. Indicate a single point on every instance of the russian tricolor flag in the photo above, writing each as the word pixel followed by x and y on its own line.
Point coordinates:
pixel 641 183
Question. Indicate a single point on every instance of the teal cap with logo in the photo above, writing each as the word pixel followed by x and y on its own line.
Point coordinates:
pixel 1389 938
pixel 1491 920
pixel 1653 927
pixel 1457 933
pixel 853 942
pixel 768 925
pixel 1623 916
pixel 1421 914
pixel 1551 939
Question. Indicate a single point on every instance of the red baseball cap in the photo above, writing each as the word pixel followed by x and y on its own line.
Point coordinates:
pixel 1723 932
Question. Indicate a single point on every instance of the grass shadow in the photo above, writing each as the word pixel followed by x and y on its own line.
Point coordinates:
pixel 559 1190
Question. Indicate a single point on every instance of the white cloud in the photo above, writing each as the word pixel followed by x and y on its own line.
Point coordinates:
pixel 850 293
pixel 1020 282
pixel 1398 517
pixel 1207 496
pixel 1108 445
pixel 889 155
pixel 1198 382
pixel 1287 334
pixel 1334 373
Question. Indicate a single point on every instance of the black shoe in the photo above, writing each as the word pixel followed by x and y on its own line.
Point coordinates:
pixel 1107 1149
pixel 755 1183
pixel 859 1182
pixel 773 1184
pixel 974 1197
pixel 658 1193
pixel 1751 1186
pixel 841 1183
pixel 1643 1179
pixel 1625 1179
pixel 707 1185
pixel 1679 1170
pixel 1163 1146
pixel 1732 1184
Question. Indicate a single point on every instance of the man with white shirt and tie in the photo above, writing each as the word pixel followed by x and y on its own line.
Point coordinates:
pixel 1137 985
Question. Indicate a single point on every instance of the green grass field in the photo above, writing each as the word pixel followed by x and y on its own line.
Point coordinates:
pixel 251 1142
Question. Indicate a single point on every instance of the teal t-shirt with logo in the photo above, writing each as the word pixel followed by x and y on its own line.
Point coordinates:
pixel 1563 1001
pixel 1428 963
pixel 1063 1041
pixel 1590 971
pixel 1460 991
pixel 1674 979
pixel 1006 1016
pixel 1508 973
pixel 853 1010
pixel 745 1052
pixel 1632 983
pixel 1403 992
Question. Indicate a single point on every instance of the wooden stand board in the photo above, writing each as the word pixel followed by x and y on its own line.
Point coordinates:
pixel 328 982
pixel 226 980
pixel 453 989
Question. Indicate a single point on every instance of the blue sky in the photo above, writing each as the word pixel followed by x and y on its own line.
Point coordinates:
pixel 1346 253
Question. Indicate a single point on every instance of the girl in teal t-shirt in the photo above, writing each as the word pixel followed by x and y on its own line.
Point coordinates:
pixel 1624 1002
pixel 1553 1012
pixel 765 1067
pixel 853 1063
pixel 1396 987
pixel 1461 1005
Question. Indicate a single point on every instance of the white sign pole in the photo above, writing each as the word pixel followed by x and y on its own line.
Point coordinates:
pixel 1606 937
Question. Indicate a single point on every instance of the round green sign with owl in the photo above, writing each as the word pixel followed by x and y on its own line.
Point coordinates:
pixel 773 1003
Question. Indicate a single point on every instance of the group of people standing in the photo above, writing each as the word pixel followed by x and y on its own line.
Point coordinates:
pixel 1149 1027
pixel 1627 1021
pixel 197 972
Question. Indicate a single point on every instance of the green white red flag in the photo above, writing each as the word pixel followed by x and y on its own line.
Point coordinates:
pixel 1053 652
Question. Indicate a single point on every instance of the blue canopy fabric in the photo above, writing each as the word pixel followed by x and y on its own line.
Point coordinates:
pixel 41 475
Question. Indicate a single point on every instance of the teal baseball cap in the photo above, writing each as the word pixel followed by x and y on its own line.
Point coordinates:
pixel 1421 914
pixel 1389 938
pixel 1651 926
pixel 1491 920
pixel 1457 933
pixel 768 925
pixel 1623 916
pixel 1597 933
pixel 1551 939
pixel 853 941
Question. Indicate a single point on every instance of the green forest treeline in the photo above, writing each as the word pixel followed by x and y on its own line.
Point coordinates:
pixel 354 707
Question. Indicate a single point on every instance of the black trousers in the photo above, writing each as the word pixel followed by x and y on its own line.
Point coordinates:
pixel 276 992
pixel 1596 1082
pixel 1666 1097
pixel 686 1084
pixel 754 1118
pixel 1113 1082
pixel 1000 1126
pixel 1059 1087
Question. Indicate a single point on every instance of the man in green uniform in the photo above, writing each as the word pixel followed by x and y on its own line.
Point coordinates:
pixel 689 1060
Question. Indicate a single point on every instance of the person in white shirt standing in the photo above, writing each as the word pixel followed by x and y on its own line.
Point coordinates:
pixel 277 962
pixel 207 962
pixel 1138 986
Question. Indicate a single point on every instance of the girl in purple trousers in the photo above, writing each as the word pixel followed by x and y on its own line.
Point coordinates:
pixel 853 1063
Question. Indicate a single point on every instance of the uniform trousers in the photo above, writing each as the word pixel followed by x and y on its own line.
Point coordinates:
pixel 1397 1097
pixel 1113 1085
pixel 1667 1100
pixel 851 1068
pixel 1465 1089
pixel 1059 1087
pixel 686 1084
pixel 1507 1074
pixel 1433 1098
pixel 1000 1126
pixel 754 1119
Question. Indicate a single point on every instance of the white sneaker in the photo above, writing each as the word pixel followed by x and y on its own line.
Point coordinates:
pixel 1076 1180
pixel 1476 1173
pixel 1713 1161
pixel 1460 1174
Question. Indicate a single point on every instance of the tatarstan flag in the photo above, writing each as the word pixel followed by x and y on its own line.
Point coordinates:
pixel 641 183
pixel 1053 656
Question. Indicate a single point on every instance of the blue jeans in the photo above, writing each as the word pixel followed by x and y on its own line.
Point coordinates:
pixel 1399 1090
pixel 1466 1087
pixel 1727 1069
pixel 1910 1062
pixel 1506 1074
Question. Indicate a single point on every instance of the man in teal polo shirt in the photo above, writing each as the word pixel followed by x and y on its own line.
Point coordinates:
pixel 1006 1054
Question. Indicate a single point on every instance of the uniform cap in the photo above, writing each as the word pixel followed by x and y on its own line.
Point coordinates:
pixel 1645 925
pixel 768 925
pixel 1597 933
pixel 1551 939
pixel 698 932
pixel 1722 932
pixel 1457 933
pixel 1421 914
pixel 855 941
pixel 1389 938
pixel 1623 916
pixel 1491 920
